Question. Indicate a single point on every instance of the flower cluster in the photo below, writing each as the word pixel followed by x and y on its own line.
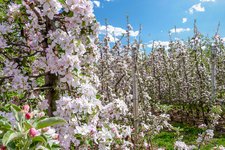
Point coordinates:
pixel 86 122
pixel 179 145
pixel 55 51
pixel 28 129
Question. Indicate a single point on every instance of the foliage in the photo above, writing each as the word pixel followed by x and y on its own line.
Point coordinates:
pixel 23 129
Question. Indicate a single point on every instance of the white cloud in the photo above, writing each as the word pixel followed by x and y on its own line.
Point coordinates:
pixel 97 3
pixel 197 7
pixel 223 39
pixel 112 38
pixel 207 1
pixel 158 43
pixel 134 33
pixel 109 0
pixel 117 31
pixel 184 20
pixel 179 30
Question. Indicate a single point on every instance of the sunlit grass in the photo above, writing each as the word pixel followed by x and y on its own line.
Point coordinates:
pixel 166 139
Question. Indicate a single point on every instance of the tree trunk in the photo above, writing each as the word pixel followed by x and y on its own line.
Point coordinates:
pixel 52 95
pixel 51 80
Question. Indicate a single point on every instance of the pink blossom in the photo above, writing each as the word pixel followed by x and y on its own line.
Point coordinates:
pixel 33 132
pixel 27 116
pixel 3 147
pixel 26 108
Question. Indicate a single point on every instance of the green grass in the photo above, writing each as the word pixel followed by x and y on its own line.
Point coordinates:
pixel 214 142
pixel 166 139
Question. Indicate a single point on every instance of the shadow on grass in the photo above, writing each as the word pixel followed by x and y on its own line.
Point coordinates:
pixel 166 139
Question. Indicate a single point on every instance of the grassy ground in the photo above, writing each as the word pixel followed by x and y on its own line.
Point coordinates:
pixel 166 139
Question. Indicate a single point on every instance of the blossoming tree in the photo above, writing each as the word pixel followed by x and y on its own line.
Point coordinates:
pixel 48 53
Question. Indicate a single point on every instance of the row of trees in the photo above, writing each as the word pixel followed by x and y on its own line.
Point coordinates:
pixel 186 76
pixel 184 79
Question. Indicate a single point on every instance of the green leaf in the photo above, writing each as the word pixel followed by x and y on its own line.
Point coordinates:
pixel 70 14
pixel 27 126
pixel 4 125
pixel 83 23
pixel 89 142
pixel 6 107
pixel 39 139
pixel 62 1
pixel 49 122
pixel 78 136
pixel 10 136
pixel 16 107
pixel 98 96
pixel 11 146
pixel 38 120
pixel 15 112
pixel 40 147
pixel 18 1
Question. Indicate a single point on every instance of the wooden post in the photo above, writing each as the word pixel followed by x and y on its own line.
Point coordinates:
pixel 135 95
pixel 213 72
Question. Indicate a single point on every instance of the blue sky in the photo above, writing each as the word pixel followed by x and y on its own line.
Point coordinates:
pixel 158 17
